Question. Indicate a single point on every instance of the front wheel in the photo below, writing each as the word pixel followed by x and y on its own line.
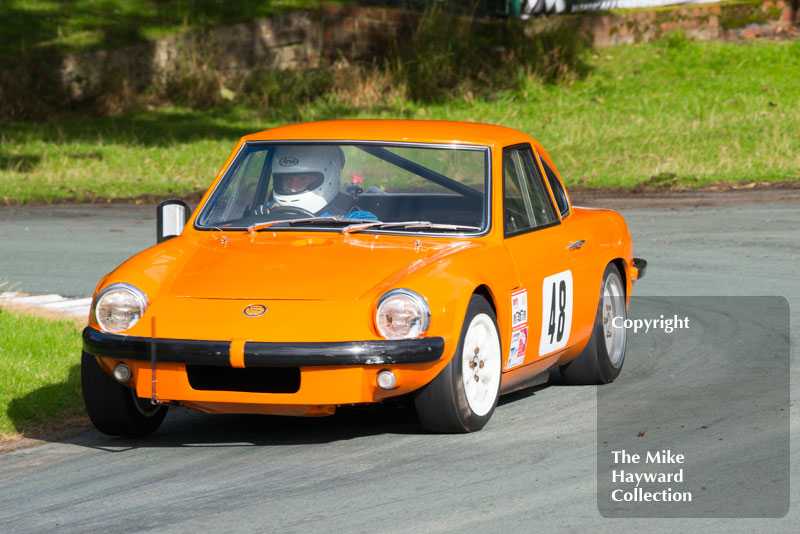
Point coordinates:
pixel 463 396
pixel 601 361
pixel 113 408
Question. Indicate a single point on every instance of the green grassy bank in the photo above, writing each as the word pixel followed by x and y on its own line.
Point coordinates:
pixel 674 112
pixel 40 370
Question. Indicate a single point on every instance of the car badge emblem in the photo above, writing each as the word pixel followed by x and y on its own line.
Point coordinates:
pixel 288 161
pixel 255 310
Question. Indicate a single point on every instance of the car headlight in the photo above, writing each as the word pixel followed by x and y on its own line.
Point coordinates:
pixel 402 314
pixel 119 306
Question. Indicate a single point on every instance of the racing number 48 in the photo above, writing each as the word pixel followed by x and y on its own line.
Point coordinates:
pixel 556 326
pixel 556 312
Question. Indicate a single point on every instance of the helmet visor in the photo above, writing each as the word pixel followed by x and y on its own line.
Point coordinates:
pixel 294 183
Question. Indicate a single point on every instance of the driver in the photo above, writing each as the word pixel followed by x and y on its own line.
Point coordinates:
pixel 309 177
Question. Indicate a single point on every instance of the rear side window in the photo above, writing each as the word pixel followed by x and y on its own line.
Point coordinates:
pixel 517 216
pixel 542 206
pixel 558 189
pixel 526 202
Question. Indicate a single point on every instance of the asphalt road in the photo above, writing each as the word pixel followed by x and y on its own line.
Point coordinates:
pixel 534 467
pixel 67 249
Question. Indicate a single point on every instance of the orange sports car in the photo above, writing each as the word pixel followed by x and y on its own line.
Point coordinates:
pixel 344 262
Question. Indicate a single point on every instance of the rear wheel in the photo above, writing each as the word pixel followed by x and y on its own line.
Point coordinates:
pixel 462 397
pixel 113 408
pixel 601 361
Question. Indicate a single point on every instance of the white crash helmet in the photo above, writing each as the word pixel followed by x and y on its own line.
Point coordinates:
pixel 324 162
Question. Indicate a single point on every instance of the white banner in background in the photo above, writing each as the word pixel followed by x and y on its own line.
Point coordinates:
pixel 538 7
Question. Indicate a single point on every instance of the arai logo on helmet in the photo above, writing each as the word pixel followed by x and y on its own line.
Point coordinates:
pixel 288 161
pixel 255 310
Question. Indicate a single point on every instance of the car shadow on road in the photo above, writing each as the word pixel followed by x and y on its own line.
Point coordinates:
pixel 553 379
pixel 188 428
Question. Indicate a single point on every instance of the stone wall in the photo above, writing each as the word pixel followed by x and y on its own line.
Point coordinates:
pixel 704 22
pixel 287 41
pixel 312 38
pixel 363 32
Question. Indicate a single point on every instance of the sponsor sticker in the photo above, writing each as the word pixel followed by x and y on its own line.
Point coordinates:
pixel 519 308
pixel 519 344
pixel 519 328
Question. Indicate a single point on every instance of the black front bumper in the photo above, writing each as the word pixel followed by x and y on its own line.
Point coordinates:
pixel 263 354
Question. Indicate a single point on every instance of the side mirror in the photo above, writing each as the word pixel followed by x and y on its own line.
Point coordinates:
pixel 173 214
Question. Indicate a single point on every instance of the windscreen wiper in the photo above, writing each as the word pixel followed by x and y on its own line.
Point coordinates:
pixel 306 220
pixel 406 224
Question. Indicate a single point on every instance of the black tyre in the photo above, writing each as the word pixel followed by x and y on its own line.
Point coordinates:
pixel 601 361
pixel 462 397
pixel 113 408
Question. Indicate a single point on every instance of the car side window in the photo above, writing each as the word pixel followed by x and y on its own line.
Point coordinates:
pixel 526 202
pixel 516 215
pixel 557 188
pixel 543 211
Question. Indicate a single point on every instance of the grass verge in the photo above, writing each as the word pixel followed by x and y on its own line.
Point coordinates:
pixel 675 113
pixel 40 366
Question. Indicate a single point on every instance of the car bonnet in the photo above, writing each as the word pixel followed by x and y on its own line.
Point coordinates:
pixel 289 265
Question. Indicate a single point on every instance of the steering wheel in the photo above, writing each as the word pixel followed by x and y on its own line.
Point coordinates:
pixel 290 212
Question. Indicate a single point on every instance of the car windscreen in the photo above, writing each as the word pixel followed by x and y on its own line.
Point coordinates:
pixel 329 185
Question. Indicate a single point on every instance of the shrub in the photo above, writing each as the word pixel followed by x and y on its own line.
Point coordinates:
pixel 450 54
pixel 197 87
pixel 273 88
pixel 676 40
pixel 30 87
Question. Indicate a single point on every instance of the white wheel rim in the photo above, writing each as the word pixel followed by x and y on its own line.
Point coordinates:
pixel 614 306
pixel 480 364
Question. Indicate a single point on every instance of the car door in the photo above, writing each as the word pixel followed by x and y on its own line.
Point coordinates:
pixel 546 258
pixel 585 247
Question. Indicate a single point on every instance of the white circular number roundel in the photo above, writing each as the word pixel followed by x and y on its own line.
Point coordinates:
pixel 556 312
